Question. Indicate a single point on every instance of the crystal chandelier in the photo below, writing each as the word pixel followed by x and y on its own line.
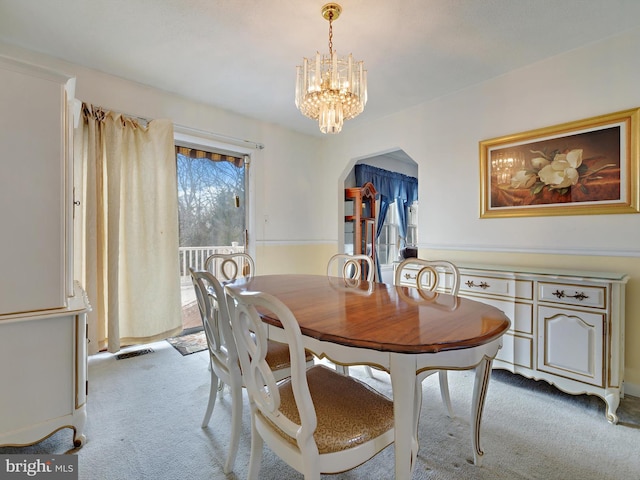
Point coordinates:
pixel 330 88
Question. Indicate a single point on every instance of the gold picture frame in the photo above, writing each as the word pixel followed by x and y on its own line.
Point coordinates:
pixel 578 168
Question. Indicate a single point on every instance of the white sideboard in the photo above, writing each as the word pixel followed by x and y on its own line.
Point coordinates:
pixel 567 327
pixel 43 354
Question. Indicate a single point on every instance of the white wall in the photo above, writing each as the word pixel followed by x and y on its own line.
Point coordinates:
pixel 442 137
pixel 299 179
pixel 283 173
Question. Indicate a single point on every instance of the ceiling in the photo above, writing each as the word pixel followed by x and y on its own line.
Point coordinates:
pixel 240 55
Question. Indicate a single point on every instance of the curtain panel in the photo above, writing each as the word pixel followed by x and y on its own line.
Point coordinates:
pixel 391 185
pixel 127 233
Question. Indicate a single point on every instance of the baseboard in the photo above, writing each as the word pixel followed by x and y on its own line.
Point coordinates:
pixel 632 389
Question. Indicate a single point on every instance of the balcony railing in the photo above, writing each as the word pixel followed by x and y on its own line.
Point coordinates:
pixel 194 257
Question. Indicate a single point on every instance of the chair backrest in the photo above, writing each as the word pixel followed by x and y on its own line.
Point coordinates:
pixel 420 297
pixel 251 341
pixel 429 275
pixel 229 266
pixel 214 311
pixel 351 266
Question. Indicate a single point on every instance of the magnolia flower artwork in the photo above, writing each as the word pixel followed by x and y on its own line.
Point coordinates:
pixel 557 171
pixel 583 167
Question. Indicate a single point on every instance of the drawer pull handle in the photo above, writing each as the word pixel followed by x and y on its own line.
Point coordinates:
pixel 482 285
pixel 408 276
pixel 578 296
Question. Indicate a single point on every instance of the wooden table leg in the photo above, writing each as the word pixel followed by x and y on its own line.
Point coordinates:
pixel 403 382
pixel 481 383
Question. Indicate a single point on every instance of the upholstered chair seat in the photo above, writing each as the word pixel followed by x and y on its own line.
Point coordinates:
pixel 360 413
pixel 278 356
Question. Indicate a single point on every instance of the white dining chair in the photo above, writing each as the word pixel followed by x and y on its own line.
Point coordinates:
pixel 224 364
pixel 318 421
pixel 431 275
pixel 229 266
pixel 351 267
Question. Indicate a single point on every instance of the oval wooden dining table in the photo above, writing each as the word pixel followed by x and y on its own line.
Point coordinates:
pixel 396 329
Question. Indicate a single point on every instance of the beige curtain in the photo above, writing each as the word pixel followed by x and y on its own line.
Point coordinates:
pixel 127 228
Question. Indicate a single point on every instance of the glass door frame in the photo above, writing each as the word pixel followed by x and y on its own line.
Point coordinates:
pixel 204 142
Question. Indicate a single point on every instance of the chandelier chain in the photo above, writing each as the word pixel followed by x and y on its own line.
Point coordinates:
pixel 330 33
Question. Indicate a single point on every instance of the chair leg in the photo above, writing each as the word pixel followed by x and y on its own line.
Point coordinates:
pixel 236 426
pixel 255 459
pixel 444 391
pixel 310 470
pixel 213 393
pixel 417 406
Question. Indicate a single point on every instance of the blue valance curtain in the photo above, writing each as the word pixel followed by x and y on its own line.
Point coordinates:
pixel 392 187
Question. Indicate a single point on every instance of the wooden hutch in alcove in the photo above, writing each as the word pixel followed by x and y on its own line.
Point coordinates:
pixel 360 221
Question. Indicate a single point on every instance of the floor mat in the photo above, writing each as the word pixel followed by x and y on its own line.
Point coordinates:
pixel 189 343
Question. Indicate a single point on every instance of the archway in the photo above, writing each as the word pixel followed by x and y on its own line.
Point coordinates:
pixel 388 242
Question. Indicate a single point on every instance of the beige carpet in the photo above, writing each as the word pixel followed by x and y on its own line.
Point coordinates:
pixel 144 417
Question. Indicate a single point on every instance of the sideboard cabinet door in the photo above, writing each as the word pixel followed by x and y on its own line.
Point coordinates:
pixel 570 344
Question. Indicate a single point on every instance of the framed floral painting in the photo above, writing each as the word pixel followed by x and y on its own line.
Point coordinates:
pixel 585 167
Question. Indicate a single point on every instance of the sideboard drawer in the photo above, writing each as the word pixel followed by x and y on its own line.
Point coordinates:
pixel 520 314
pixel 567 294
pixel 485 285
pixel 516 350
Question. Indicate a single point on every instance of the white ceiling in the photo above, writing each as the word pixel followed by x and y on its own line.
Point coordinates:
pixel 240 55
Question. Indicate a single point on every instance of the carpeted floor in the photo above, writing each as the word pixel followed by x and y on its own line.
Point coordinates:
pixel 144 416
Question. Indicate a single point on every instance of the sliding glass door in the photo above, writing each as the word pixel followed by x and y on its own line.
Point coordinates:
pixel 212 199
